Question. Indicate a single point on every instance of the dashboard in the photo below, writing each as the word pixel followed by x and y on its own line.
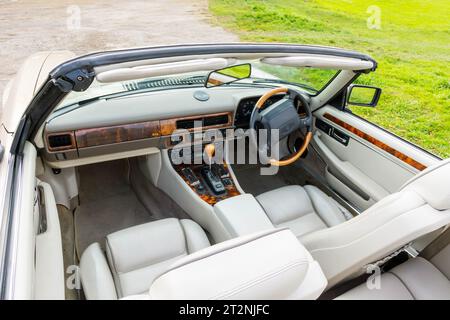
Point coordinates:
pixel 142 121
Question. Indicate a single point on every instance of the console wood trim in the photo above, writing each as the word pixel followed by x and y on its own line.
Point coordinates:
pixel 207 196
pixel 406 159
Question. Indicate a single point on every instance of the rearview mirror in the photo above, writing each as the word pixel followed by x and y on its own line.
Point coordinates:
pixel 228 75
pixel 360 95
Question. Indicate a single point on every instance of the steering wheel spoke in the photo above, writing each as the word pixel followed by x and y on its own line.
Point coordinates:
pixel 258 116
pixel 305 122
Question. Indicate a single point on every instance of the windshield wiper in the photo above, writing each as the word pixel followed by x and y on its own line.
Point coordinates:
pixel 304 86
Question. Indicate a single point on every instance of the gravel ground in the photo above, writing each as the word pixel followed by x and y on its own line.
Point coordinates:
pixel 84 26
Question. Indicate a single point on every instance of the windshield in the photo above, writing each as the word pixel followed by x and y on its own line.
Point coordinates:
pixel 310 80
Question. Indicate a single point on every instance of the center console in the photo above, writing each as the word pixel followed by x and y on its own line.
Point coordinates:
pixel 211 182
pixel 240 214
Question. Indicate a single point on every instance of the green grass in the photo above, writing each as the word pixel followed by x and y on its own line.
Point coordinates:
pixel 412 49
pixel 241 71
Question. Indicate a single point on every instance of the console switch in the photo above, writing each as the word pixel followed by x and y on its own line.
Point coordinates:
pixel 220 171
pixel 190 176
pixel 227 181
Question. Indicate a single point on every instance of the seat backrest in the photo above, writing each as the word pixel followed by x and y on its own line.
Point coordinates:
pixel 421 206
pixel 139 254
pixel 433 185
pixel 267 265
pixel 136 256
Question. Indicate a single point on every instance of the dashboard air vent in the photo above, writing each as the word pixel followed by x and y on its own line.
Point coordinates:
pixel 60 141
pixel 215 120
pixel 189 123
pixel 203 122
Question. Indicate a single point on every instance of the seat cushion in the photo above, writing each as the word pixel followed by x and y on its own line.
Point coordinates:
pixel 270 264
pixel 137 255
pixel 302 209
pixel 415 279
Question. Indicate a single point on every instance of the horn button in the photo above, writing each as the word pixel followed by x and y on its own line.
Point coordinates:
pixel 282 116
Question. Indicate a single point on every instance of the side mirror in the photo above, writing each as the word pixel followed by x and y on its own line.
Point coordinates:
pixel 228 75
pixel 360 95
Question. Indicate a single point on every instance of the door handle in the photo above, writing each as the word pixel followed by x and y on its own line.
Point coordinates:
pixel 333 132
pixel 340 136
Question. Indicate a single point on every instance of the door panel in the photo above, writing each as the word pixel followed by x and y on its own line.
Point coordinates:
pixel 364 163
pixel 49 263
pixel 343 167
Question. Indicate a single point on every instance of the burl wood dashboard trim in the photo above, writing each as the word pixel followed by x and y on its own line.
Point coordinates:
pixel 168 126
pixel 92 137
pixel 406 159
pixel 115 134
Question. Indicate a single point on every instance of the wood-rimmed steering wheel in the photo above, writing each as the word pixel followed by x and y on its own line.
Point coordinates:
pixel 284 117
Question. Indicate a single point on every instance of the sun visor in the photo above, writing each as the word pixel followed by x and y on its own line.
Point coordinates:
pixel 154 70
pixel 321 62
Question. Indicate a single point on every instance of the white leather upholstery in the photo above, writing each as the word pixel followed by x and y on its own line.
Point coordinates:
pixel 95 274
pixel 416 210
pixel 432 185
pixel 242 215
pixel 302 209
pixel 137 256
pixel 266 265
pixel 421 206
pixel 415 279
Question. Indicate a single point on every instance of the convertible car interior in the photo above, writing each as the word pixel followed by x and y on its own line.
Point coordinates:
pixel 147 179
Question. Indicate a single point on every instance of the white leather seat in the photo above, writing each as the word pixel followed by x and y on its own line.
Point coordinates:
pixel 421 206
pixel 271 264
pixel 416 279
pixel 150 261
pixel 136 256
pixel 302 209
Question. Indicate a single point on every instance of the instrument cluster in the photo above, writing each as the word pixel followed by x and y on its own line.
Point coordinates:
pixel 245 109
pixel 246 106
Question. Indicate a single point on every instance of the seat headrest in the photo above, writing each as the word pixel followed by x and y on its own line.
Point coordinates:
pixel 268 265
pixel 433 185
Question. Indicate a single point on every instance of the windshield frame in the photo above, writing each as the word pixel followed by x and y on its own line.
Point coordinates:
pixel 77 74
pixel 198 78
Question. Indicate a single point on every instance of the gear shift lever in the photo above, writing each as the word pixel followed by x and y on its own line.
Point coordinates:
pixel 210 150
pixel 214 182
